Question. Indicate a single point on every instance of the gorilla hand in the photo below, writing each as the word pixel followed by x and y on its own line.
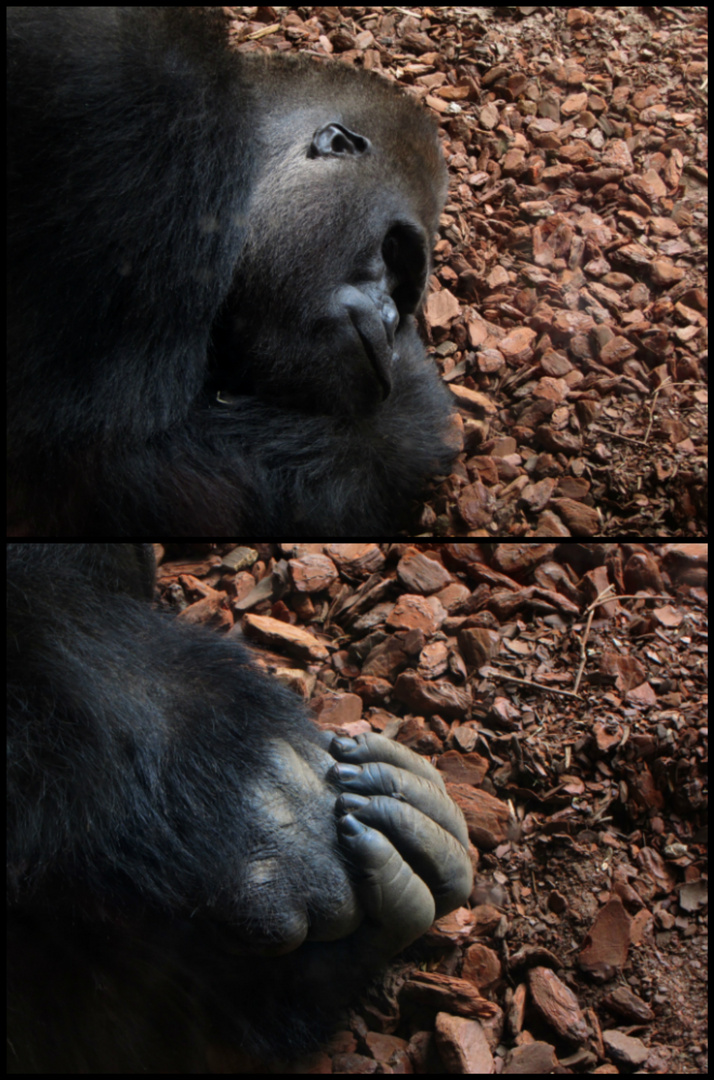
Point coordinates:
pixel 397 854
pixel 407 840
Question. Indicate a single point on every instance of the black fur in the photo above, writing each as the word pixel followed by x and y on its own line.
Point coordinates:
pixel 214 263
pixel 182 870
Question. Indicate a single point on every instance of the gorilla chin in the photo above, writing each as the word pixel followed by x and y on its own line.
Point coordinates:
pixel 215 261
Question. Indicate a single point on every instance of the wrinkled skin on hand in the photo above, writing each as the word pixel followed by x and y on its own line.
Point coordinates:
pixel 407 840
pixel 403 843
pixel 188 856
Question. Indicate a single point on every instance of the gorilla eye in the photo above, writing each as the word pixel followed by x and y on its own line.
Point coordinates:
pixel 405 256
pixel 235 235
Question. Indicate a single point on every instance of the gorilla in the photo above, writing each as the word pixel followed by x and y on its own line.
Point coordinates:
pixel 215 262
pixel 191 863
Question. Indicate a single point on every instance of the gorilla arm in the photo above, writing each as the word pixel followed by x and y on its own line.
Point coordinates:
pixel 180 858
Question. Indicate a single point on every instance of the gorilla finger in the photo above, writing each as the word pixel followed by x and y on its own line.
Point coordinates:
pixel 394 898
pixel 373 747
pixel 376 778
pixel 338 923
pixel 439 859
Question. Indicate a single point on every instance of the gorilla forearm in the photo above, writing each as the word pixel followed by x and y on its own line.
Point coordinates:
pixel 189 857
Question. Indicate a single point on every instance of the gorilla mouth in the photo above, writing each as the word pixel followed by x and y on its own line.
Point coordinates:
pixel 258 254
pixel 380 365
pixel 374 317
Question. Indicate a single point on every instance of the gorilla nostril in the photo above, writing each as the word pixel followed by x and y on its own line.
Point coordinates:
pixel 176 361
pixel 334 140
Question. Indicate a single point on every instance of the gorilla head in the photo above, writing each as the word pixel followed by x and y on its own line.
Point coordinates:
pixel 215 261
pixel 335 255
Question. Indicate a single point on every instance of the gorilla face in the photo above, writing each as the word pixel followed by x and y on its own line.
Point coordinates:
pixel 215 262
pixel 333 329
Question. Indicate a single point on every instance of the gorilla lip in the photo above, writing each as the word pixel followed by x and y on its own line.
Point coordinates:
pixel 378 366
pixel 361 304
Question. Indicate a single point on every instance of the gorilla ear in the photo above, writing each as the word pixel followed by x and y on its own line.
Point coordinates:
pixel 334 140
